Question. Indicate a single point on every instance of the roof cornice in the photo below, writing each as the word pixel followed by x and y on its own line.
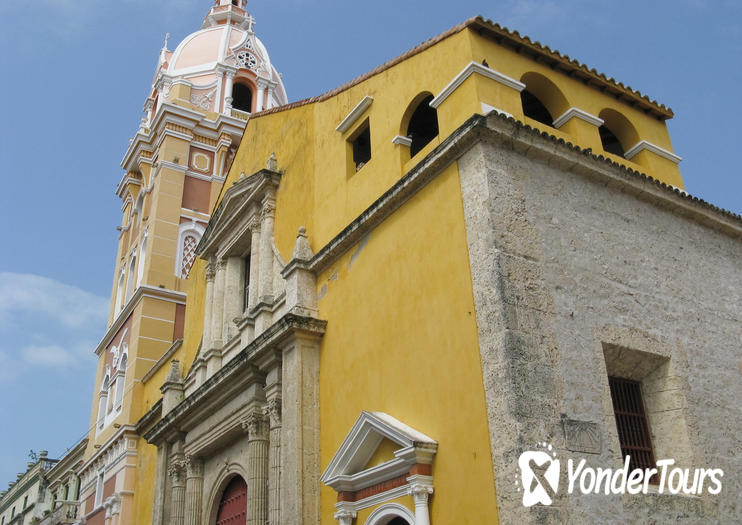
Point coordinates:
pixel 141 292
pixel 539 144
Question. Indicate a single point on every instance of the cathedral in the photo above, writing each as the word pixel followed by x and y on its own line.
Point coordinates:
pixel 412 300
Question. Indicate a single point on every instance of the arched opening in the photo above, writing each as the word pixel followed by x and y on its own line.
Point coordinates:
pixel 120 379
pixel 535 109
pixel 617 134
pixel 119 292
pixel 542 100
pixel 103 401
pixel 242 97
pixel 610 142
pixel 132 276
pixel 423 126
pixel 391 514
pixel 233 504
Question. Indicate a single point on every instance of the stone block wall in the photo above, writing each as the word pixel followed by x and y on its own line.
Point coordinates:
pixel 581 270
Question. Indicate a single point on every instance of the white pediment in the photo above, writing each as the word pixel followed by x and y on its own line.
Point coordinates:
pixel 241 202
pixel 349 471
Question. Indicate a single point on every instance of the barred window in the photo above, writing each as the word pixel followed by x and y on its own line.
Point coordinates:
pixel 631 423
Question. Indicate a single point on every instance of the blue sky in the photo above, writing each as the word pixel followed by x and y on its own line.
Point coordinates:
pixel 75 76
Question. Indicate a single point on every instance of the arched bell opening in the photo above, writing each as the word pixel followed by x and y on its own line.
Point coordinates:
pixel 242 97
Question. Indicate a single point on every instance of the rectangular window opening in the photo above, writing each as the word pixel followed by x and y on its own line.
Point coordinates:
pixel 632 424
pixel 361 144
pixel 99 490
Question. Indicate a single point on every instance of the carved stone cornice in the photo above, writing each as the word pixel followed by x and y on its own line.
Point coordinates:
pixel 238 373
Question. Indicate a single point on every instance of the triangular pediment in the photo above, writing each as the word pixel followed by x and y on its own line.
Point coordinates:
pixel 242 202
pixel 360 461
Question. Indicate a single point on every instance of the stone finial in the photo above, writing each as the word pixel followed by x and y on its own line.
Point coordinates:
pixel 43 453
pixel 302 250
pixel 272 163
pixel 173 375
pixel 172 389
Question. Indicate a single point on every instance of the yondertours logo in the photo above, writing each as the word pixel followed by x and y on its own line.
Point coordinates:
pixel 540 471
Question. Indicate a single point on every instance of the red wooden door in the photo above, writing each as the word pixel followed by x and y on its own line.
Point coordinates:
pixel 233 506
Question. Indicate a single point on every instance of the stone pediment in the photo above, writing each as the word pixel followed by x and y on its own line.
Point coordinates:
pixel 350 471
pixel 241 205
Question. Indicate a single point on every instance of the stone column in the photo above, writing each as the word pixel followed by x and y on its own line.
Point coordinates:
pixel 228 99
pixel 266 249
pixel 345 517
pixel 257 467
pixel 273 411
pixel 208 307
pixel 233 292
pixel 300 431
pixel 261 95
pixel 420 488
pixel 254 263
pixel 217 312
pixel 194 489
pixel 177 494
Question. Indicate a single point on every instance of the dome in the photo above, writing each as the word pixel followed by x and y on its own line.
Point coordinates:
pixel 225 65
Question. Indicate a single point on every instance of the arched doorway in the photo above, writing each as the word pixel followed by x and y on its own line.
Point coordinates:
pixel 233 505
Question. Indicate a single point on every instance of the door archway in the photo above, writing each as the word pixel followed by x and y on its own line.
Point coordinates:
pixel 233 505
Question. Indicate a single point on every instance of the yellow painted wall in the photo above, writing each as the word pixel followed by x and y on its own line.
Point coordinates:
pixel 402 339
pixel 145 482
pixel 384 452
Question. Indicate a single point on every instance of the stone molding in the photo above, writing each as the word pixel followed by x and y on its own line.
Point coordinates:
pixel 275 335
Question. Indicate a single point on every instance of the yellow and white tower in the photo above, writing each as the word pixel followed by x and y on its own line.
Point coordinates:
pixel 201 97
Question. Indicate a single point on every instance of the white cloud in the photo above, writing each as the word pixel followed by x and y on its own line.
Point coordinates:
pixel 47 355
pixel 46 324
pixel 68 306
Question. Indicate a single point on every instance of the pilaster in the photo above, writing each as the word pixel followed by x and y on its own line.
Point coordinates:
pixel 194 489
pixel 254 227
pixel 300 431
pixel 256 425
pixel 176 470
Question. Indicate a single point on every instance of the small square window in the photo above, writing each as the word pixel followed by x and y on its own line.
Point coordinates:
pixel 360 142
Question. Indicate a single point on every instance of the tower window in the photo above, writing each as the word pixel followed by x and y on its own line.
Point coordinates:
pixel 610 142
pixel 631 423
pixel 423 126
pixel 535 109
pixel 361 143
pixel 242 97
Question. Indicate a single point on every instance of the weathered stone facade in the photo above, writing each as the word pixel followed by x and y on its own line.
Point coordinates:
pixel 582 269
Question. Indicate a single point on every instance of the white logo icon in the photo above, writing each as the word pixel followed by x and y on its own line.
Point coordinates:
pixel 539 473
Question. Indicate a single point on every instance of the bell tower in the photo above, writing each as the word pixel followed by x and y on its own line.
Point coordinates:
pixel 174 167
